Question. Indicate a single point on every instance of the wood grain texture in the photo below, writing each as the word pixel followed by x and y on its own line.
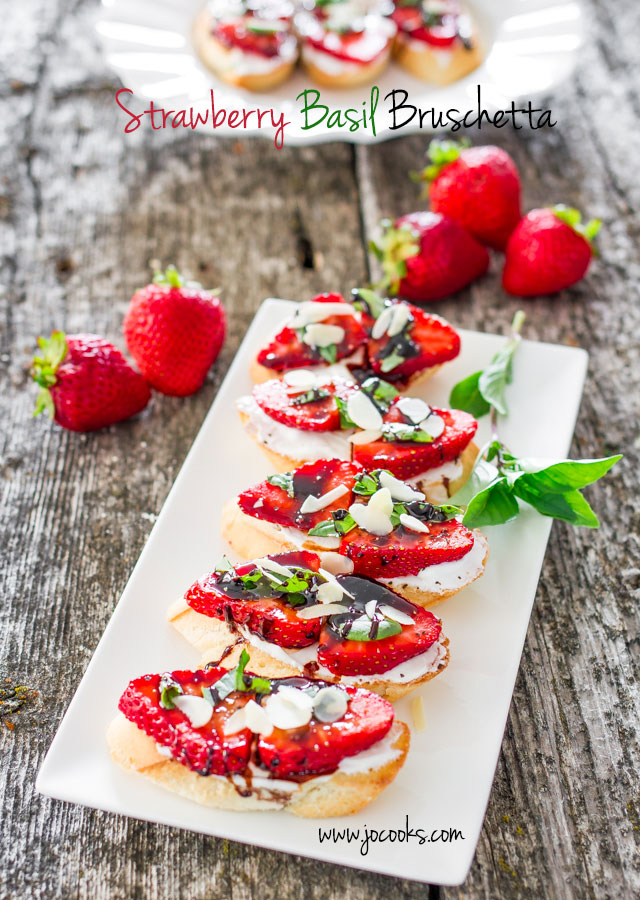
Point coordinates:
pixel 82 210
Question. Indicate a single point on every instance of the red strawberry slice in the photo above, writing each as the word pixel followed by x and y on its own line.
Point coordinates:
pixel 267 614
pixel 206 750
pixel 432 341
pixel 290 407
pixel 320 746
pixel 405 552
pixel 348 657
pixel 406 459
pixel 287 351
pixel 275 505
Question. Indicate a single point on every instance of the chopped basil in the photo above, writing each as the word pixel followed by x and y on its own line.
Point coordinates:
pixel 367 483
pixel 368 301
pixel 169 689
pixel 329 353
pixel 345 421
pixel 258 27
pixel 311 396
pixel 340 523
pixel 380 392
pixel 399 431
pixel 236 680
pixel 392 361
pixel 365 629
pixel 283 480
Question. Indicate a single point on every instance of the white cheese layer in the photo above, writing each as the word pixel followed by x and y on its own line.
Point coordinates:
pixel 445 577
pixel 293 443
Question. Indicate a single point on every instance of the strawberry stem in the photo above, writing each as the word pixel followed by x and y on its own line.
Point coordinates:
pixel 44 368
pixel 573 218
pixel 441 153
pixel 396 246
pixel 169 278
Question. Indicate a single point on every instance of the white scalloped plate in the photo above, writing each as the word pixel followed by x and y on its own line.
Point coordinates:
pixel 446 780
pixel 532 47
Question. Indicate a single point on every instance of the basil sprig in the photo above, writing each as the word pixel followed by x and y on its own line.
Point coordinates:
pixel 283 480
pixel 500 481
pixel 236 680
pixel 477 393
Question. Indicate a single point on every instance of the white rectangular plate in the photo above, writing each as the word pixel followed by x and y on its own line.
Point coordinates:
pixel 447 778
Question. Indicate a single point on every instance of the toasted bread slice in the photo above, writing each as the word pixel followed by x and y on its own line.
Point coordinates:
pixel 436 65
pixel 339 794
pixel 259 373
pixel 221 60
pixel 351 74
pixel 251 538
pixel 214 641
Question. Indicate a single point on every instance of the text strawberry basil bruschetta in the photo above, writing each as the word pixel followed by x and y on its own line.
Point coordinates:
pixel 359 522
pixel 307 416
pixel 233 740
pixel 370 335
pixel 297 619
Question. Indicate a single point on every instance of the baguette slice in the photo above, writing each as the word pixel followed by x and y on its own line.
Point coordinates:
pixel 437 65
pixel 339 794
pixel 221 60
pixel 352 74
pixel 436 491
pixel 251 538
pixel 213 639
pixel 259 373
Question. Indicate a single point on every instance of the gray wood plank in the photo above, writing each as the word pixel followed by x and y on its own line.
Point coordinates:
pixel 82 210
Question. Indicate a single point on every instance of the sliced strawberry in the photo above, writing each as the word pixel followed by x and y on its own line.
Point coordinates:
pixel 287 351
pixel 320 746
pixel 406 459
pixel 206 750
pixel 405 552
pixel 263 609
pixel 428 341
pixel 292 407
pixel 275 504
pixel 344 656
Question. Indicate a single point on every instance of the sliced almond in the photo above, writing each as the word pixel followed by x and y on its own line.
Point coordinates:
pixel 363 412
pixel 371 519
pixel 197 710
pixel 256 718
pixel 382 500
pixel 310 312
pixel 323 335
pixel 337 564
pixel 331 577
pixel 314 504
pixel 365 437
pixel 330 592
pixel 390 612
pixel 401 315
pixel 321 609
pixel 236 722
pixel 330 704
pixel 370 608
pixel 272 566
pixel 433 425
pixel 289 708
pixel 382 323
pixel 414 408
pixel 413 524
pixel 399 490
pixel 300 378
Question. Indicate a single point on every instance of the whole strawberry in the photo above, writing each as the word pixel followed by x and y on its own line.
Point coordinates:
pixel 85 382
pixel 427 256
pixel 174 330
pixel 479 187
pixel 549 250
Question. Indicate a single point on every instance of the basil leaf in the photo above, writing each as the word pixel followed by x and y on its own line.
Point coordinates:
pixel 392 361
pixel 324 529
pixel 295 584
pixel 329 353
pixel 398 431
pixel 493 505
pixel 296 599
pixel 310 396
pixel 497 376
pixel 169 690
pixel 344 524
pixel 361 627
pixel 467 397
pixel 568 474
pixel 483 474
pixel 367 483
pixel 569 507
pixel 345 421
pixel 236 680
pixel 283 480
pixel 368 301
pixel 450 510
pixel 381 392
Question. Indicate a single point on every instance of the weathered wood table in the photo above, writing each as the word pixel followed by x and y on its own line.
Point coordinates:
pixel 82 210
